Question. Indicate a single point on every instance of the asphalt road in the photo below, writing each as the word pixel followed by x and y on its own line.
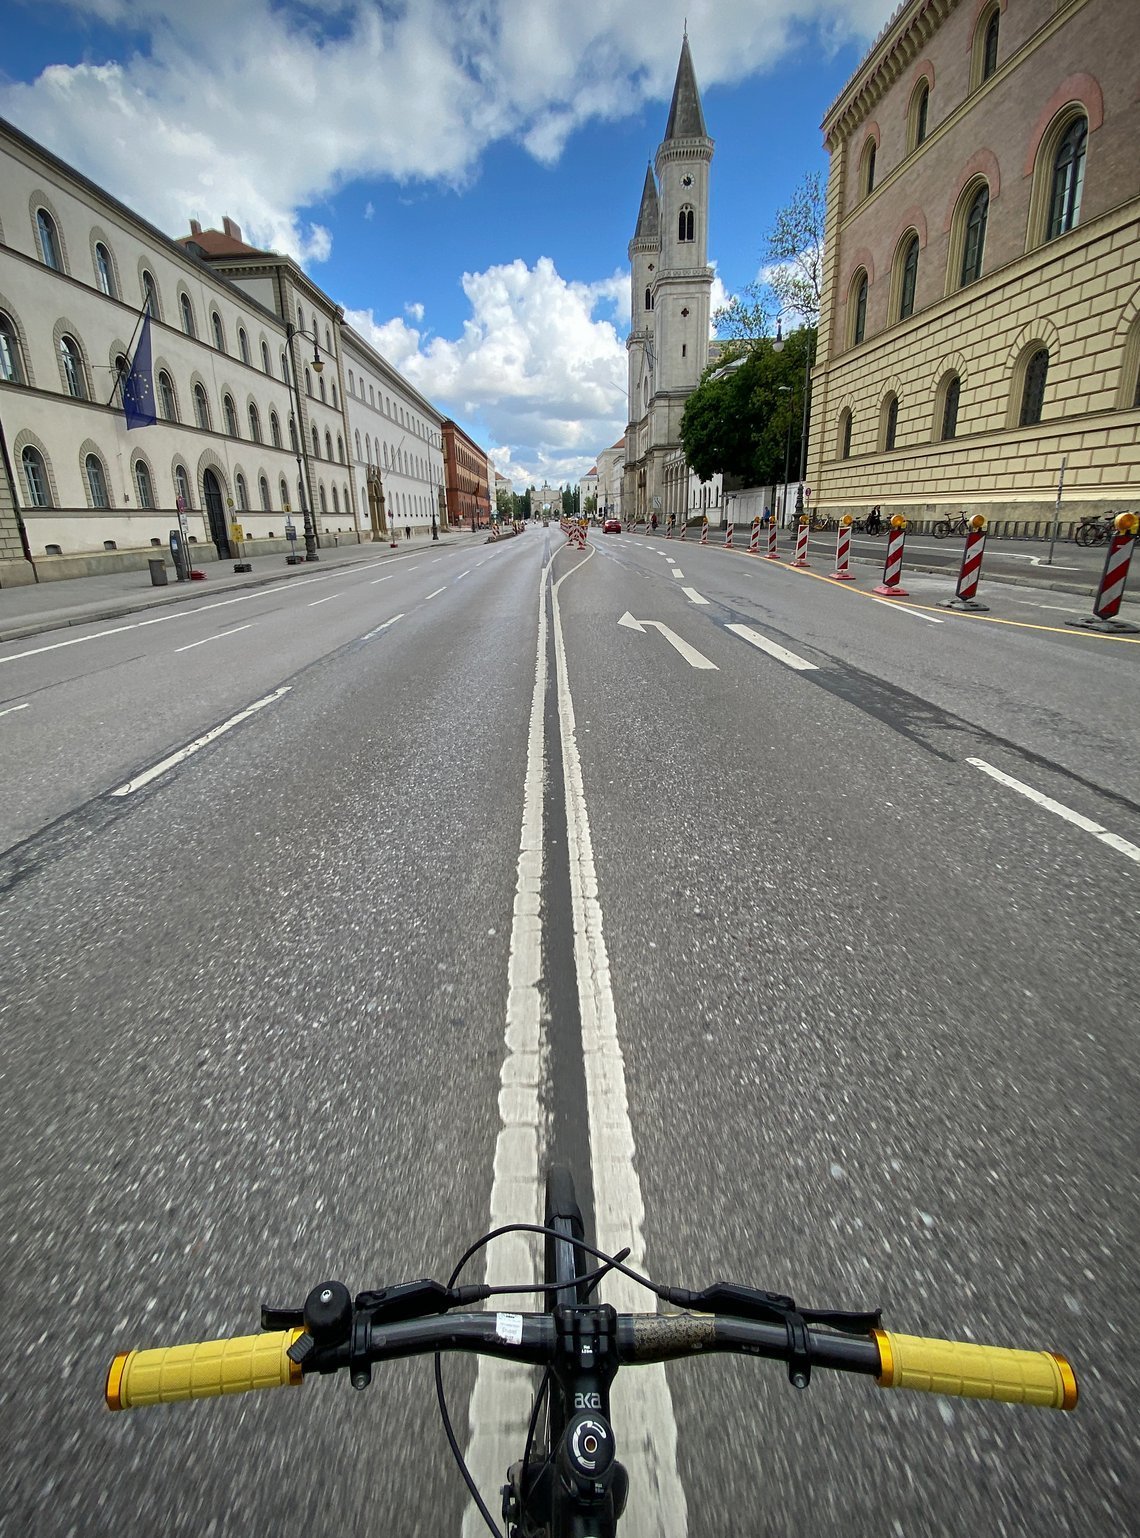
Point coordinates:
pixel 861 1008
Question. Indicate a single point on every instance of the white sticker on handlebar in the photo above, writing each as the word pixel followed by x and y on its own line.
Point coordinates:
pixel 508 1328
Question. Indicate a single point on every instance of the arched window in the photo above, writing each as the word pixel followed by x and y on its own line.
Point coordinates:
pixel 150 293
pixel 308 383
pixel 845 434
pixel 231 415
pixel 49 240
pixel 11 367
pixel 1068 178
pixel 321 386
pixel 143 488
pixel 351 383
pixel 187 315
pixel 283 488
pixel 358 454
pixel 908 278
pixel 333 388
pixel 35 477
pixel 919 110
pixel 685 222
pixel 201 407
pixel 869 155
pixel 104 270
pixel 336 500
pixel 300 319
pixel 316 444
pixel 96 481
pixel 72 360
pixel 328 444
pixel 254 423
pixel 182 485
pixel 263 490
pixel 284 369
pixel 167 400
pixel 951 393
pixel 890 422
pixel 240 493
pixel 219 339
pixel 243 344
pixel 323 498
pixel 293 434
pixel 275 429
pixel 1033 391
pixel 974 244
pixel 859 309
pixel 990 45
pixel 328 339
pixel 340 448
pixel 266 366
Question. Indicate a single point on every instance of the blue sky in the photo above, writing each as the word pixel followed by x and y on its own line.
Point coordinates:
pixel 462 175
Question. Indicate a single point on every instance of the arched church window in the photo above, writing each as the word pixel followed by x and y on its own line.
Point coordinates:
pixel 685 224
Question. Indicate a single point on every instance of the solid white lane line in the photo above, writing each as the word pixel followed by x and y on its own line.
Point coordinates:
pixel 436 594
pixel 384 626
pixel 781 653
pixel 326 599
pixel 1086 824
pixel 501 1398
pixel 901 608
pixel 643 1405
pixel 677 572
pixel 693 596
pixel 210 638
pixel 199 742
pixel 8 709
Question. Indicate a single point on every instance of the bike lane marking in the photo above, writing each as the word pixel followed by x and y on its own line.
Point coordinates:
pixel 643 1415
pixel 198 744
pixel 1078 819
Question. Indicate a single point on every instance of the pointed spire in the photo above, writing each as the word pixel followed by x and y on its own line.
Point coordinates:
pixel 686 120
pixel 648 220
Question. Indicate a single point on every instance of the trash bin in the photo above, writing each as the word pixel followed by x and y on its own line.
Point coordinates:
pixel 158 575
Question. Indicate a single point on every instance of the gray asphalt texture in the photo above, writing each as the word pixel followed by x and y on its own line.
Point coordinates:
pixel 878 1017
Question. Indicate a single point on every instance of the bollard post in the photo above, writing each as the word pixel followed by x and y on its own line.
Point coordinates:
pixel 802 542
pixel 843 572
pixel 704 531
pixel 1114 579
pixel 754 539
pixel 728 536
pixel 971 570
pixel 890 586
pixel 773 553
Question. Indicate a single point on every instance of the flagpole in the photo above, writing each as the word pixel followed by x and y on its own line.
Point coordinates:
pixel 143 313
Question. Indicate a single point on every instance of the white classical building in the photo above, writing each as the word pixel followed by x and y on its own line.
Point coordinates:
pixel 588 487
pixel 611 475
pixel 396 444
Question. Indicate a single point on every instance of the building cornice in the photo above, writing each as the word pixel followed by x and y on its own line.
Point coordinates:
pixel 891 55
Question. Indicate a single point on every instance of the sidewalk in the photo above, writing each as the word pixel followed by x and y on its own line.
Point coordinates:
pixel 26 611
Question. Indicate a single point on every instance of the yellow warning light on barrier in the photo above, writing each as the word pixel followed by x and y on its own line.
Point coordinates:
pixel 978 522
pixel 1126 523
pixel 898 521
pixel 846 520
pixel 804 520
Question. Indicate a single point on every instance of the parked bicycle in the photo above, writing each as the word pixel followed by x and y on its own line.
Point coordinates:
pixel 569 1481
pixel 1095 529
pixel 948 524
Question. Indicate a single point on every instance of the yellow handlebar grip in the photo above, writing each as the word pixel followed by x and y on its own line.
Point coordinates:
pixel 975 1372
pixel 202 1370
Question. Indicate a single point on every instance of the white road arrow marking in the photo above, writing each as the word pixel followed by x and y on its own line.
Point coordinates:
pixel 692 656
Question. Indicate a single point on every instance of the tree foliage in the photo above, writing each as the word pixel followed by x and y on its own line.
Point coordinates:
pixel 793 282
pixel 744 418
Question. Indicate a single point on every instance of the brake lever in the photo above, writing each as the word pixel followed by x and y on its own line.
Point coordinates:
pixel 769 1307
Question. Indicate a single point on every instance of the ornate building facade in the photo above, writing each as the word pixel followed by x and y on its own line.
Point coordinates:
pixel 671 288
pixel 980 321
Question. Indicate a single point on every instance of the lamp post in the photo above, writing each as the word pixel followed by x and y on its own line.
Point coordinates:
pixel 307 503
pixel 778 346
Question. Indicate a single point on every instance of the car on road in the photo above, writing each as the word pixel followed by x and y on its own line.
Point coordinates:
pixel 612 526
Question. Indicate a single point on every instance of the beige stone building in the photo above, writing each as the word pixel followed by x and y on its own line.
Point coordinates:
pixel 980 323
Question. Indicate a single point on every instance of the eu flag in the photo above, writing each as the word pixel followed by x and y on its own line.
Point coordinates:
pixel 138 385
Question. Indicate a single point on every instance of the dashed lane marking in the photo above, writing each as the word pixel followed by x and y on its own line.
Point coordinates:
pixel 902 608
pixel 1086 824
pixel 781 653
pixel 693 596
pixel 199 743
pixel 209 638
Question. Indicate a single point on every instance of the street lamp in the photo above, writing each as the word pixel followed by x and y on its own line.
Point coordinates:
pixel 778 346
pixel 307 504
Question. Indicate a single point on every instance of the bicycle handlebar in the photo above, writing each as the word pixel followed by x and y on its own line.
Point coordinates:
pixel 239 1364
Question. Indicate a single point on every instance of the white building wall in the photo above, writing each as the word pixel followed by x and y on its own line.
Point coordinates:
pixel 394 428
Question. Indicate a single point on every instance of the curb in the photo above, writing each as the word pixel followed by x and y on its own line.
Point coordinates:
pixel 119 609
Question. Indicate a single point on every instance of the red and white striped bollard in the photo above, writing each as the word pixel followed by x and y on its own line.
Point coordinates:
pixel 971 571
pixel 773 553
pixel 754 541
pixel 1114 579
pixel 843 572
pixel 704 531
pixel 802 534
pixel 890 586
pixel 728 536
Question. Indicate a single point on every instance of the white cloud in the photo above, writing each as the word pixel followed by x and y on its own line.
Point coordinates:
pixel 369 209
pixel 416 311
pixel 538 374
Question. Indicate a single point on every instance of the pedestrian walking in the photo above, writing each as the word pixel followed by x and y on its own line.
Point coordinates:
pixel 407 531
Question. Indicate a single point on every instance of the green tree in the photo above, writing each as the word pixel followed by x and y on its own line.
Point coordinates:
pixel 743 419
pixel 793 281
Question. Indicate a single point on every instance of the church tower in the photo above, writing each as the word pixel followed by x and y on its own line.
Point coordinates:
pixel 671 288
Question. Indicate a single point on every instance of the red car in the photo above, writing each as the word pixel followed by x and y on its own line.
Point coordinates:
pixel 612 526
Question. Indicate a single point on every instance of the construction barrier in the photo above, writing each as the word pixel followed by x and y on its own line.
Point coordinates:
pixel 704 531
pixel 1114 579
pixel 669 529
pixel 728 536
pixel 843 572
pixel 890 586
pixel 684 525
pixel 971 570
pixel 773 554
pixel 802 543
pixel 754 541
